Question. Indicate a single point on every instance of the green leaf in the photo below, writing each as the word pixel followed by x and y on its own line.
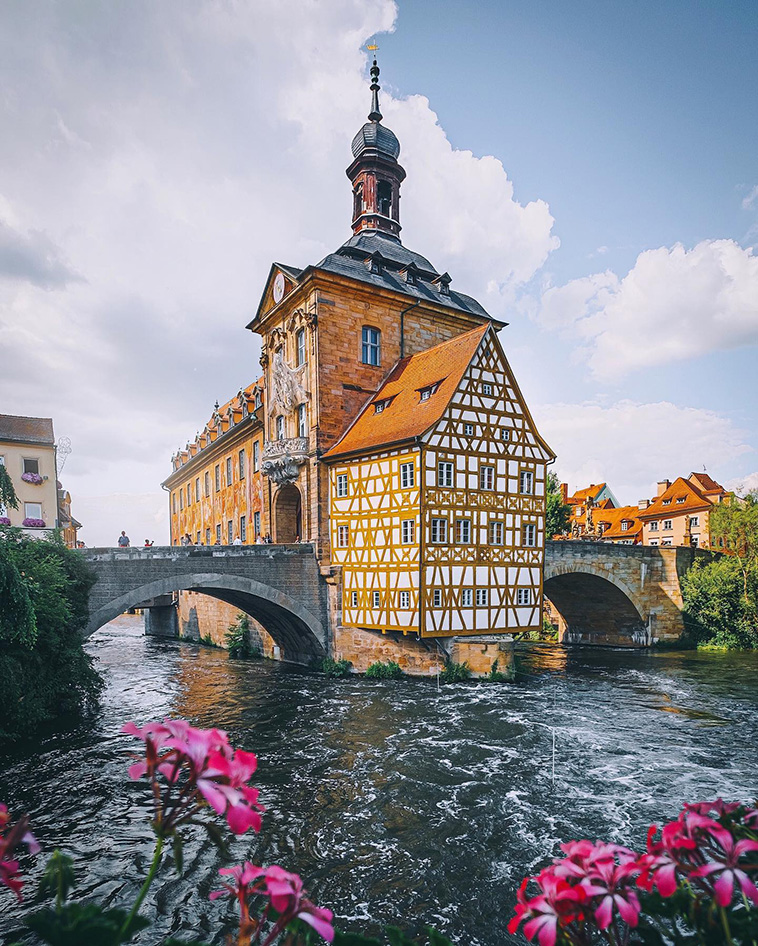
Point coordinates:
pixel 58 878
pixel 77 924
pixel 397 938
pixel 353 939
pixel 216 837
pixel 437 939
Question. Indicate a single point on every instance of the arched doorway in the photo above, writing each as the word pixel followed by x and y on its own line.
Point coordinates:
pixel 288 515
pixel 594 610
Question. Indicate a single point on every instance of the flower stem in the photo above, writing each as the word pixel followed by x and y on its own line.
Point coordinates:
pixel 725 924
pixel 146 886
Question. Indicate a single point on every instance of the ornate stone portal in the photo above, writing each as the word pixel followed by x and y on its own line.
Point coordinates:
pixel 282 459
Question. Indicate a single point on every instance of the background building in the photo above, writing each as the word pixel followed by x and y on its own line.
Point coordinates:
pixel 27 451
pixel 680 513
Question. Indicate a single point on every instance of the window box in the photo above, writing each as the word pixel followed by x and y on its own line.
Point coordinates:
pixel 34 478
pixel 4 521
pixel 33 523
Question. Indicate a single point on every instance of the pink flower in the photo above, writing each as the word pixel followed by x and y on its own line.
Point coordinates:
pixel 198 767
pixel 609 886
pixel 285 895
pixel 727 869
pixel 558 904
pixel 11 836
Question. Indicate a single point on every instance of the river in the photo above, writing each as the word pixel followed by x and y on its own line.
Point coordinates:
pixel 396 802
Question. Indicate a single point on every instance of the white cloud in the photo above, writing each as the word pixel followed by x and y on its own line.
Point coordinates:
pixel 168 177
pixel 673 304
pixel 631 445
pixel 743 484
pixel 749 201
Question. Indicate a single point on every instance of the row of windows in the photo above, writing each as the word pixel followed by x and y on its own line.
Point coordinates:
pixel 186 496
pixel 220 534
pixel 445 475
pixel 302 423
pixel 669 524
pixel 439 533
pixel 524 597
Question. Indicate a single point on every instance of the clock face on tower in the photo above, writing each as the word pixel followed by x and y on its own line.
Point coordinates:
pixel 278 288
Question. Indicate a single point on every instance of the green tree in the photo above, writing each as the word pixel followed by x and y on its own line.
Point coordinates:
pixel 8 497
pixel 734 528
pixel 44 670
pixel 557 512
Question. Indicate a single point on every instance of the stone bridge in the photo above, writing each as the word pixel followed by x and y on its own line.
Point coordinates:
pixel 613 595
pixel 279 585
pixel 617 595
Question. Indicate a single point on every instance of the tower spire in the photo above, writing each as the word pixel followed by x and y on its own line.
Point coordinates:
pixel 374 115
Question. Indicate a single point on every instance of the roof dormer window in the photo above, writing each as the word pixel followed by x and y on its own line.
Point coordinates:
pixel 666 502
pixel 680 499
pixel 443 284
pixel 380 406
pixel 410 274
pixel 426 392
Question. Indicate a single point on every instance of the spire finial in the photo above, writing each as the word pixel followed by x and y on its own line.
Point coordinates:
pixel 374 115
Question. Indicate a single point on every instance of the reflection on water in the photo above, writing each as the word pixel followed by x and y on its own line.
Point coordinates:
pixel 398 803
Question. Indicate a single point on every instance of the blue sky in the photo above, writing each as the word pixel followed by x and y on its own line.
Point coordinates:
pixel 586 170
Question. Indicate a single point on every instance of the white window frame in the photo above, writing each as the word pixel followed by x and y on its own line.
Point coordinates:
pixel 445 474
pixel 463 532
pixel 487 477
pixel 31 460
pixel 438 530
pixel 467 597
pixel 668 525
pixel 241 463
pixel 257 523
pixel 342 485
pixel 353 599
pixel 243 528
pixel 300 345
pixel 343 537
pixel 529 531
pixel 523 597
pixel 256 456
pixel 695 521
pixel 229 472
pixel 653 526
pixel 468 430
pixel 280 427
pixel 376 599
pixel 505 433
pixel 437 598
pixel 526 482
pixel 408 531
pixel 497 532
pixel 371 346
pixel 486 389
pixel 407 475
pixel 482 597
pixel 302 420
pixel 32 515
pixel 405 600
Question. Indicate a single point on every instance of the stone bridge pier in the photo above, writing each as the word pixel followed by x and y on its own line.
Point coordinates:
pixel 278 585
pixel 617 595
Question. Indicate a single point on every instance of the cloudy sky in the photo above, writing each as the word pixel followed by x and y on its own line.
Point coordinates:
pixel 586 170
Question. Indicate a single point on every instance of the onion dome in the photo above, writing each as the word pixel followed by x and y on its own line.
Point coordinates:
pixel 373 134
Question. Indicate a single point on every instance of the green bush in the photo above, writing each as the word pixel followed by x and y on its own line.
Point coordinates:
pixel 335 668
pixel 456 673
pixel 496 676
pixel 382 671
pixel 238 639
pixel 721 605
pixel 44 597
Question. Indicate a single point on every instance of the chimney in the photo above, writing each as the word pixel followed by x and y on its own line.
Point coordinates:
pixel 564 492
pixel 643 504
pixel 663 485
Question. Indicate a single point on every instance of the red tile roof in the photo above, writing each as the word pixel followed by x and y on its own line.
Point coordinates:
pixel 681 497
pixel 614 519
pixel 406 416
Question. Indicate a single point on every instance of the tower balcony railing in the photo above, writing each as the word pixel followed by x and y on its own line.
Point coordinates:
pixel 283 458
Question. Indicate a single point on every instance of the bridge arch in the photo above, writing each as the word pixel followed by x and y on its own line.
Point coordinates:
pixel 596 606
pixel 299 633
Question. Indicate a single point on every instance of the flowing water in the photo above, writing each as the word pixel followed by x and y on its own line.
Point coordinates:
pixel 396 802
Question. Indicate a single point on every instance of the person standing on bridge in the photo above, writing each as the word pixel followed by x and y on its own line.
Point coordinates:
pixel 123 540
pixel 237 540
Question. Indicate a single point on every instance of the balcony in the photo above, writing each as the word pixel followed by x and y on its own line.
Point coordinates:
pixel 282 459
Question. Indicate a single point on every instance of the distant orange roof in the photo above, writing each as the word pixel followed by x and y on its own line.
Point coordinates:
pixel 590 492
pixel 705 483
pixel 682 496
pixel 405 415
pixel 614 518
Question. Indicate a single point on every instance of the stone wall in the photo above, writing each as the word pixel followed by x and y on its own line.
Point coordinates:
pixel 201 617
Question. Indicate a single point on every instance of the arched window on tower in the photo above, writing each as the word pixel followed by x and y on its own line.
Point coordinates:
pixel 384 198
pixel 357 201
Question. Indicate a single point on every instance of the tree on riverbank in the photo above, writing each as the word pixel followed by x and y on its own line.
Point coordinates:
pixel 557 512
pixel 44 670
pixel 721 597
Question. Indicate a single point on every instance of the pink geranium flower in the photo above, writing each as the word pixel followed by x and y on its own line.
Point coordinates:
pixel 190 768
pixel 285 895
pixel 11 837
pixel 724 868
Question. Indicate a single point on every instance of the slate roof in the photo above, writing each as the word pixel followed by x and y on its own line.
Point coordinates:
pixel 377 136
pixel 406 416
pixel 26 429
pixel 353 259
